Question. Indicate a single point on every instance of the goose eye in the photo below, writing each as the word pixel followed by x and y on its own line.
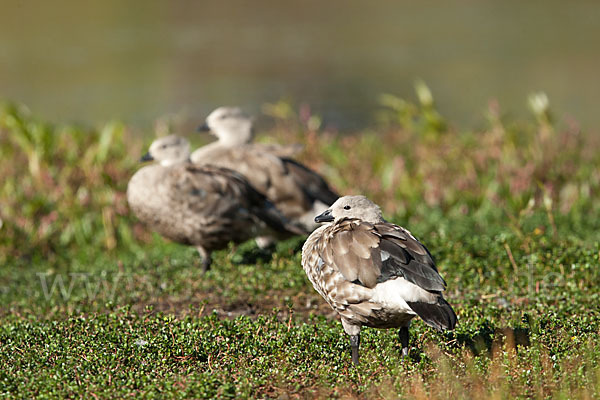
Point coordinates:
pixel 346 207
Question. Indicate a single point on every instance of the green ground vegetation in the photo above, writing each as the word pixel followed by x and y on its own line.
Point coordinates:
pixel 94 305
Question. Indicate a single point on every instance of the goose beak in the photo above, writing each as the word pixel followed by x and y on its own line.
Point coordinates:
pixel 146 157
pixel 324 217
pixel 203 128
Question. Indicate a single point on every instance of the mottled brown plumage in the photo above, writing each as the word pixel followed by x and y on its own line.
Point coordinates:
pixel 294 189
pixel 372 272
pixel 204 206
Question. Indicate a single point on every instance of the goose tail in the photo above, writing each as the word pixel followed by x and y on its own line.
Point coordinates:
pixel 438 315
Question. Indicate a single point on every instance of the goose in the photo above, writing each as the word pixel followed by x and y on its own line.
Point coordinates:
pixel 374 273
pixel 298 192
pixel 204 206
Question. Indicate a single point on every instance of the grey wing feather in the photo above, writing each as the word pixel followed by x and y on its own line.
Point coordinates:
pixel 349 250
pixel 369 254
pixel 229 184
pixel 291 187
pixel 314 185
pixel 402 260
pixel 267 173
pixel 438 315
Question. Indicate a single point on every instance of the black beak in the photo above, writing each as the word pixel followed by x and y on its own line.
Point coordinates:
pixel 203 128
pixel 325 217
pixel 146 157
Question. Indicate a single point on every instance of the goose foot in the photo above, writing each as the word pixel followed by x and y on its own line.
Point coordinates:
pixel 404 341
pixel 354 343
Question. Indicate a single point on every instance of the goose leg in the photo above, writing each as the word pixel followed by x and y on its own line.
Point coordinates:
pixel 404 340
pixel 354 332
pixel 354 343
pixel 206 259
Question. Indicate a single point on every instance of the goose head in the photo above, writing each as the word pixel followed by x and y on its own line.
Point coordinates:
pixel 230 125
pixel 358 207
pixel 168 150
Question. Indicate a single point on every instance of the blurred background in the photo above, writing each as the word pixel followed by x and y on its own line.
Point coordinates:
pixel 139 60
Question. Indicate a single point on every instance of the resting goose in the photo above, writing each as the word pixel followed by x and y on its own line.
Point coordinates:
pixel 373 273
pixel 202 206
pixel 298 192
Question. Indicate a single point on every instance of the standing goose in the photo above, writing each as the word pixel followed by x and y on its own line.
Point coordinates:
pixel 203 206
pixel 373 273
pixel 298 192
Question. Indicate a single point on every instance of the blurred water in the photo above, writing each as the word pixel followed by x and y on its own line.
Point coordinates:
pixel 140 59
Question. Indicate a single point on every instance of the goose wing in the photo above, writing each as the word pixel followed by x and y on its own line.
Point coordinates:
pixel 368 254
pixel 219 191
pixel 209 190
pixel 315 187
pixel 268 174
